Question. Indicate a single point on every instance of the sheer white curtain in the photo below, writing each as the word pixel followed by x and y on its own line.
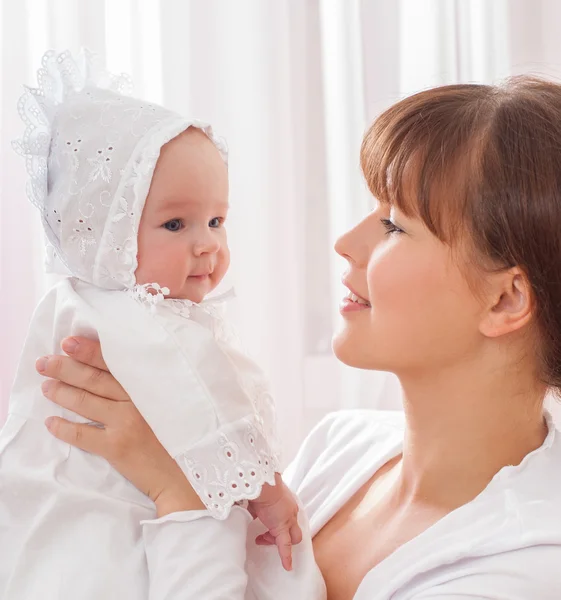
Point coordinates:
pixel 292 85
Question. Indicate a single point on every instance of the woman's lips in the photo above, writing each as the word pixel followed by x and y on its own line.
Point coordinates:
pixel 353 303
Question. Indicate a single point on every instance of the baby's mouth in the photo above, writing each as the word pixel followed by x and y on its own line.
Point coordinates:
pixel 200 276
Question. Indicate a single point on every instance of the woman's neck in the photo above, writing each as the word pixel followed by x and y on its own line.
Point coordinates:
pixel 462 426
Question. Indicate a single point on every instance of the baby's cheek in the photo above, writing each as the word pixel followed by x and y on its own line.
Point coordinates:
pixel 159 266
pixel 142 272
pixel 222 265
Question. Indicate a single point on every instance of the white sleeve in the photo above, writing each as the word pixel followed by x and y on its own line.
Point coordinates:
pixel 191 556
pixel 202 400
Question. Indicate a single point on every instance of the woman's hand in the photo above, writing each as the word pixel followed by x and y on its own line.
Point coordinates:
pixel 81 382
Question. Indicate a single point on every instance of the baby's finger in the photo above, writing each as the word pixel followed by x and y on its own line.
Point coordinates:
pixel 265 539
pixel 86 437
pixel 251 510
pixel 284 546
pixel 295 534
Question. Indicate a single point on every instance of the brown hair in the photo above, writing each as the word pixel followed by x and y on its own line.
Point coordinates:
pixel 484 160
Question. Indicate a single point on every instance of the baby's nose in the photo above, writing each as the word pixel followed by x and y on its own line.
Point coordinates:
pixel 206 244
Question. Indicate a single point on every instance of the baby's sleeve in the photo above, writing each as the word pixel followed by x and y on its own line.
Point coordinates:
pixel 206 401
pixel 191 555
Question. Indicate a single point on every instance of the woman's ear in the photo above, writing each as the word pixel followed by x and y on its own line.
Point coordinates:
pixel 510 305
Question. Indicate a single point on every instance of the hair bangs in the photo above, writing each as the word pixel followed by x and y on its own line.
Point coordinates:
pixel 426 164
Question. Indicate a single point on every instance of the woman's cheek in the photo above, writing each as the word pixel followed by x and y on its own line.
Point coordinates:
pixel 391 281
pixel 404 295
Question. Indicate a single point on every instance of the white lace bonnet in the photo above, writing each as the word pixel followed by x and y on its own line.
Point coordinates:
pixel 90 153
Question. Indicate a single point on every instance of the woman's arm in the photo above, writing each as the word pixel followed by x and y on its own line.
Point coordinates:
pixel 189 554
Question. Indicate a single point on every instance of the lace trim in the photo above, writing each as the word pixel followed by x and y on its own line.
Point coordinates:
pixel 151 295
pixel 232 465
pixel 148 294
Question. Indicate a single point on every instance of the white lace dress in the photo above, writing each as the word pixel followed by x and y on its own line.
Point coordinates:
pixel 67 516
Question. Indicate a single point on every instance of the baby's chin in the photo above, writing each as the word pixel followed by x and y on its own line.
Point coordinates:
pixel 197 298
pixel 194 291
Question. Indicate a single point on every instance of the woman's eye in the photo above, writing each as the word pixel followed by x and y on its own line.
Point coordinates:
pixel 390 226
pixel 216 222
pixel 174 225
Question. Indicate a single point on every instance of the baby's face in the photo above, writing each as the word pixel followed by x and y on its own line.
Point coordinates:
pixel 182 241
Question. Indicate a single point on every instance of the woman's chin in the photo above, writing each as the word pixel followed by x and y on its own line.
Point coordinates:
pixel 354 350
pixel 348 351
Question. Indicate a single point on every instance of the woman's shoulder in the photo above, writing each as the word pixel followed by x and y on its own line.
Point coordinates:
pixel 343 449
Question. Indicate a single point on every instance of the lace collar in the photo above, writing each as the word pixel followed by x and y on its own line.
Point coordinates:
pixel 153 295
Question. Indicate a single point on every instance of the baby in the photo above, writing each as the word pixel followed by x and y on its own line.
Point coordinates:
pixel 133 200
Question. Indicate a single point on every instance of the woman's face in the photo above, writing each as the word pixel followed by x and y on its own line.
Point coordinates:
pixel 420 312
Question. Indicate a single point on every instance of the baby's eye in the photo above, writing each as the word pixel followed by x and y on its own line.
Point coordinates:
pixel 216 222
pixel 174 225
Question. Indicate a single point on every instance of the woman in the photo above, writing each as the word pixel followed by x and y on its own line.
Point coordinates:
pixel 454 285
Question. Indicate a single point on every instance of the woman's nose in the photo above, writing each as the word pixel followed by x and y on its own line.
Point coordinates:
pixel 355 245
pixel 342 246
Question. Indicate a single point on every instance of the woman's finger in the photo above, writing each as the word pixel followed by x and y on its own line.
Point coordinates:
pixel 93 380
pixel 85 351
pixel 80 401
pixel 86 437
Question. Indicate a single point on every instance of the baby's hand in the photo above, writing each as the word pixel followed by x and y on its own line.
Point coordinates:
pixel 277 509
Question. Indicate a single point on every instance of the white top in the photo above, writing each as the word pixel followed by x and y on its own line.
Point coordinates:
pixel 504 545
pixel 70 525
